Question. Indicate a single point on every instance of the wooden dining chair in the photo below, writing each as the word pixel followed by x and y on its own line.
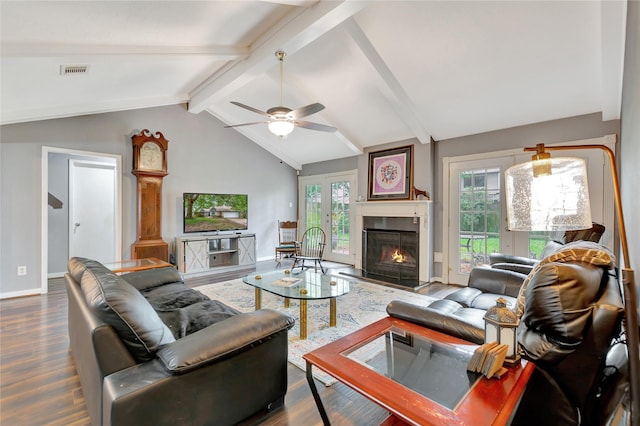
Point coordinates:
pixel 287 237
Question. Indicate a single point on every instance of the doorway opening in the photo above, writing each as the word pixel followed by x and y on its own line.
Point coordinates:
pixel 55 205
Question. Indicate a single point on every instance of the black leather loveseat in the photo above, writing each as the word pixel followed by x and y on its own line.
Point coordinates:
pixel 149 350
pixel 461 313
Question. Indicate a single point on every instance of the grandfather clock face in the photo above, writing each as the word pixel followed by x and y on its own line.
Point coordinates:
pixel 151 157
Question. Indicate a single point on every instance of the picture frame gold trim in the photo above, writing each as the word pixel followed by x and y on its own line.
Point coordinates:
pixel 391 174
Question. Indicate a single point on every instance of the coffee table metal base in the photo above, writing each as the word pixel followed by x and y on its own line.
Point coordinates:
pixel 333 308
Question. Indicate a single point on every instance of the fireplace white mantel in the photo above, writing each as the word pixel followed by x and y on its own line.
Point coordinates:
pixel 419 209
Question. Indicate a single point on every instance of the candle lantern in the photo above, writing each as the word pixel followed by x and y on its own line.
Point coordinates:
pixel 500 325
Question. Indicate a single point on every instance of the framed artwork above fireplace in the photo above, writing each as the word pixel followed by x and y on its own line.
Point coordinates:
pixel 391 174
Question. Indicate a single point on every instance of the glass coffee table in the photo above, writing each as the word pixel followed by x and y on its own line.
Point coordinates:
pixel 302 286
pixel 419 375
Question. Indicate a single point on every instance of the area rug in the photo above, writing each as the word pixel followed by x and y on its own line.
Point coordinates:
pixel 363 305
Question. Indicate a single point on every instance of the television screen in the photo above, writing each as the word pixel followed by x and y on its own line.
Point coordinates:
pixel 214 212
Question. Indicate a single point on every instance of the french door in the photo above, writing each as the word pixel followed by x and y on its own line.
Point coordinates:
pixel 325 202
pixel 476 210
pixel 478 227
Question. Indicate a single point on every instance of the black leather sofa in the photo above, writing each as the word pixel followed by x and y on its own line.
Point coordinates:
pixel 149 350
pixel 461 313
pixel 571 314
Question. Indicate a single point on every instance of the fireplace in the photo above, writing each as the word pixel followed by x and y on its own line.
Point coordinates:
pixel 382 227
pixel 390 249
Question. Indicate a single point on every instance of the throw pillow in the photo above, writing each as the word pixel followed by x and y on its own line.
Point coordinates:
pixel 119 304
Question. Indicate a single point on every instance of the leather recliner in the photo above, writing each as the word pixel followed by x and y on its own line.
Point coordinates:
pixel 571 314
pixel 149 350
pixel 524 265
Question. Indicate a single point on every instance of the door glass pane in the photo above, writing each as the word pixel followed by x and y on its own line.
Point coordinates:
pixel 479 218
pixel 537 241
pixel 313 205
pixel 340 202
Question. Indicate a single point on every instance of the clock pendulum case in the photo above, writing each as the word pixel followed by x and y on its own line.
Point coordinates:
pixel 150 168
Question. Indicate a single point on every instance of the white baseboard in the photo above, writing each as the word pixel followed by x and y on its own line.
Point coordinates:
pixel 21 293
pixel 55 275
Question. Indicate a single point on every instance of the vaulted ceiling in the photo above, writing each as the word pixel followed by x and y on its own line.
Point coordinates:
pixel 385 70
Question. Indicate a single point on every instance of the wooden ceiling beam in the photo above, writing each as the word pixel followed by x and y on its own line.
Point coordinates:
pixel 396 94
pixel 226 53
pixel 292 33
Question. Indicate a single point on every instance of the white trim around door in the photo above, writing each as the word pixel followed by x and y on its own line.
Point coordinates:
pixel 44 217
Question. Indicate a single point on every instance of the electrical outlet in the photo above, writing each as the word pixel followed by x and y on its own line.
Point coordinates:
pixel 22 270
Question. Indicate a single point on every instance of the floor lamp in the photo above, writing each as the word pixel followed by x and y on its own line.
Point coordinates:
pixel 552 194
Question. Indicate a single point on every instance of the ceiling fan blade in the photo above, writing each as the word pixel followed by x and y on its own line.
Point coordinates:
pixel 305 111
pixel 314 126
pixel 257 111
pixel 245 124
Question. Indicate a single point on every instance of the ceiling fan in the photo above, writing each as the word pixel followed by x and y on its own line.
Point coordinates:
pixel 282 120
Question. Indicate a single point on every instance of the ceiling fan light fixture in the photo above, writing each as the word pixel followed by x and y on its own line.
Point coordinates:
pixel 281 128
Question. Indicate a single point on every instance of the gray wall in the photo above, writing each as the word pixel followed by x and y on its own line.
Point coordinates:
pixel 421 165
pixel 630 136
pixel 202 156
pixel 555 131
pixel 428 158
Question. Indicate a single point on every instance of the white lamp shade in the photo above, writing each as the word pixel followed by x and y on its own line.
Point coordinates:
pixel 558 200
pixel 281 127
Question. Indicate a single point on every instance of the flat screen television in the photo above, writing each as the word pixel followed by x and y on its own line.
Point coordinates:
pixel 214 212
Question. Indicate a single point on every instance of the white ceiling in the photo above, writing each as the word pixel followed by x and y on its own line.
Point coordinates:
pixel 385 70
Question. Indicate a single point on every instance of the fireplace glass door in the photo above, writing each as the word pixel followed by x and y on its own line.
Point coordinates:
pixel 391 254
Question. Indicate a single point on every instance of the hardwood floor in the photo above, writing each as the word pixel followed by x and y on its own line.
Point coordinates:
pixel 39 384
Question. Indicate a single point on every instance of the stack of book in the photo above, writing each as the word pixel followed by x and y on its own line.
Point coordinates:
pixel 488 359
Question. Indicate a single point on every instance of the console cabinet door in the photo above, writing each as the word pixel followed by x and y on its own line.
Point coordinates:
pixel 246 250
pixel 196 255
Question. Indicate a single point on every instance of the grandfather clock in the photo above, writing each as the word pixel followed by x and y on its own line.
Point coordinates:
pixel 150 167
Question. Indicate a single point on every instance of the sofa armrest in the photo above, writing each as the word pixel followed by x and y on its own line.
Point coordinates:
pixel 445 316
pixel 222 339
pixel 219 393
pixel 150 278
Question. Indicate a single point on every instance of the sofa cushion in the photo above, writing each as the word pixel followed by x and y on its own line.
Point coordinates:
pixel 488 300
pixel 464 296
pixel 195 317
pixel 172 296
pixel 151 278
pixel 119 304
pixel 77 266
pixel 470 297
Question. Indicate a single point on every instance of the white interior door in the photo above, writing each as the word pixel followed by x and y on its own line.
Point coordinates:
pixel 93 210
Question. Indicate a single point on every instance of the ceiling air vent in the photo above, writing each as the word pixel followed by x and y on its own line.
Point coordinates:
pixel 73 69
